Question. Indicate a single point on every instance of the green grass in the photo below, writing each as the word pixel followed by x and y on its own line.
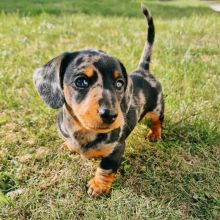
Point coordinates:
pixel 176 178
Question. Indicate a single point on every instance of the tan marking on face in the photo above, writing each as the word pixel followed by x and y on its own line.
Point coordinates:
pixel 89 71
pixel 101 183
pixel 72 119
pixel 89 113
pixel 95 123
pixel 66 93
pixel 104 151
pixel 116 74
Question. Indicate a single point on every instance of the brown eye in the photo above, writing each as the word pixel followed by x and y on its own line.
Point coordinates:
pixel 119 84
pixel 81 82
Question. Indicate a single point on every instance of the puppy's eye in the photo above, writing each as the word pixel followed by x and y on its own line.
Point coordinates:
pixel 81 82
pixel 119 84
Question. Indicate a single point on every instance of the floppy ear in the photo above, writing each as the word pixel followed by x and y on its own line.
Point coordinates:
pixel 124 72
pixel 48 80
pixel 126 101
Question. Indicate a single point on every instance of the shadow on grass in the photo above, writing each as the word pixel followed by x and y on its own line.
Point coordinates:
pixel 178 169
pixel 163 9
pixel 195 132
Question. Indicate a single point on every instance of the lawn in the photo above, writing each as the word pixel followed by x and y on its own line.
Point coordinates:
pixel 175 178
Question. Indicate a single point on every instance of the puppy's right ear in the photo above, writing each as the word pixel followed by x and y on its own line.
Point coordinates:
pixel 48 80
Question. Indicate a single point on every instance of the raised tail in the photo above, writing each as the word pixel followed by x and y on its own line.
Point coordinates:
pixel 146 54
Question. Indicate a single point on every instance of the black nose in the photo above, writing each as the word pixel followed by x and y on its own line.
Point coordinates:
pixel 107 116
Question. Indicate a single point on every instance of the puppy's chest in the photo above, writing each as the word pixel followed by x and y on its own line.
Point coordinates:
pixel 89 144
pixel 82 137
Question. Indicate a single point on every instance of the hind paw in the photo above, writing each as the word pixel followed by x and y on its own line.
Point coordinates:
pixel 154 135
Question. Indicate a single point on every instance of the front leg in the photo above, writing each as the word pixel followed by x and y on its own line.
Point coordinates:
pixel 67 146
pixel 106 173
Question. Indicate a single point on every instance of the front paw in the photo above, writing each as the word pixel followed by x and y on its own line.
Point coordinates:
pixel 96 189
pixel 66 145
pixel 101 183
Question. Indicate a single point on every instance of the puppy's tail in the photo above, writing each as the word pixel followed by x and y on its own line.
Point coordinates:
pixel 144 62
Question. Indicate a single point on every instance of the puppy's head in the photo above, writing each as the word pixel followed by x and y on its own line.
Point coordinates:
pixel 91 83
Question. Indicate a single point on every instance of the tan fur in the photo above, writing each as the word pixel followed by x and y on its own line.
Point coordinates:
pixel 89 71
pixel 87 111
pixel 67 146
pixel 155 132
pixel 104 151
pixel 101 183
pixel 73 125
pixel 151 115
pixel 116 74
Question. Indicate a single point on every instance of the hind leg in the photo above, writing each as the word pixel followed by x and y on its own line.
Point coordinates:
pixel 155 128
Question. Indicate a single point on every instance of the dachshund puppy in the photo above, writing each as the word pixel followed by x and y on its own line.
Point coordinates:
pixel 100 104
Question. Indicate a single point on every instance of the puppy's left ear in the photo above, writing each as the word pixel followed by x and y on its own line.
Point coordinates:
pixel 125 103
pixel 48 80
pixel 124 72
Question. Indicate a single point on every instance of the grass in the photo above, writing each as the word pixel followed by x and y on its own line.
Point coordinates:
pixel 176 178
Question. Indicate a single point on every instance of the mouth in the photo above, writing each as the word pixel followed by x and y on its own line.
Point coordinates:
pixel 101 129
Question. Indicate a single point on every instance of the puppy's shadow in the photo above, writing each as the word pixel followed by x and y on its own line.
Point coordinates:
pixel 167 168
